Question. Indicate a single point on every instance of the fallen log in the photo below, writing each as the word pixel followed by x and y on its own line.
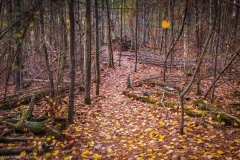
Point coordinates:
pixel 5 139
pixel 17 100
pixel 147 99
pixel 15 151
pixel 220 114
pixel 155 81
pixel 34 127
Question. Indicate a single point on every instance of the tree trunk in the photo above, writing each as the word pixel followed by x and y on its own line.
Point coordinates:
pixel 186 90
pixel 50 74
pixel 87 98
pixel 121 30
pixel 97 65
pixel 216 56
pixel 136 38
pixel 18 58
pixel 198 79
pixel 72 63
pixel 110 51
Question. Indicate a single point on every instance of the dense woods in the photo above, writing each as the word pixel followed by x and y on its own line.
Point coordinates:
pixel 60 59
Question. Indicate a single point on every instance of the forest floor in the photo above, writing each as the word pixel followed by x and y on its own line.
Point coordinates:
pixel 117 127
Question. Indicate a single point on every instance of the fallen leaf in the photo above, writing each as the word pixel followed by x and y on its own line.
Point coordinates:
pixel 23 153
pixel 220 152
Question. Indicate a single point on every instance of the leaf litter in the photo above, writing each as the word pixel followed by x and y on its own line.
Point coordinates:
pixel 117 127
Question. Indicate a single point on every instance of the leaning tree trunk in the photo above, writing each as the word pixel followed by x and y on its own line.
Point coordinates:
pixel 186 90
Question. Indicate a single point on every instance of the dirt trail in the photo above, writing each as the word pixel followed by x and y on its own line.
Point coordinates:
pixel 116 127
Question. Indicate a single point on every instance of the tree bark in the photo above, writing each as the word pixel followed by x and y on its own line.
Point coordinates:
pixel 136 38
pixel 110 51
pixel 50 75
pixel 97 65
pixel 87 98
pixel 121 30
pixel 72 64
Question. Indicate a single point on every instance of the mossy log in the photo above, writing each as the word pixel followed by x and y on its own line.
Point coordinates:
pixel 147 99
pixel 15 151
pixel 34 127
pixel 217 111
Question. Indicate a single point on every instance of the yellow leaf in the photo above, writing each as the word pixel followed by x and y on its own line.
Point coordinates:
pixel 235 124
pixel 199 140
pixel 141 136
pixel 50 100
pixel 159 154
pixel 62 145
pixel 11 144
pixel 231 147
pixel 161 123
pixel 48 154
pixel 86 152
pixel 130 141
pixel 117 124
pixel 165 24
pixel 222 123
pixel 55 153
pixel 23 154
pixel 213 136
pixel 220 152
pixel 74 152
pixel 109 150
pixel 108 136
pixel 97 156
pixel 49 139
pixel 67 158
pixel 149 150
pixel 161 137
pixel 141 155
pixel 35 153
pixel 84 156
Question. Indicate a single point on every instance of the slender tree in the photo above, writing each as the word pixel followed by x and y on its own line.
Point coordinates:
pixel 121 32
pixel 136 37
pixel 97 65
pixel 87 98
pixel 72 63
pixel 110 51
pixel 50 75
pixel 18 57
